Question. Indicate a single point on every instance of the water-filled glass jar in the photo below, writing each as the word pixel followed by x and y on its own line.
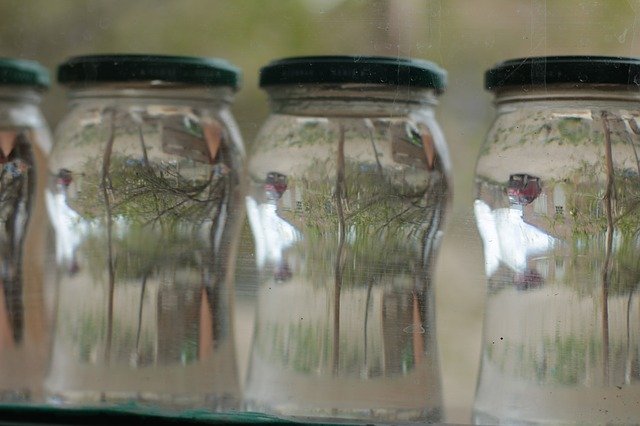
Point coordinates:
pixel 348 187
pixel 558 190
pixel 25 312
pixel 143 198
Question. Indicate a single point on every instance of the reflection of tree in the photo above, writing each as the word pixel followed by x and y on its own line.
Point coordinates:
pixel 599 253
pixel 151 212
pixel 340 197
pixel 606 268
pixel 365 198
pixel 151 194
pixel 369 226
pixel 387 224
pixel 107 188
pixel 614 214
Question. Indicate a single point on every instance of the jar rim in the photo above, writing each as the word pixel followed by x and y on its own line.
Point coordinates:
pixel 147 92
pixel 351 92
pixel 565 92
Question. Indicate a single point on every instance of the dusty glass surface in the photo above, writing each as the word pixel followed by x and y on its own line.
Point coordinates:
pixel 558 183
pixel 143 201
pixel 250 33
pixel 24 308
pixel 346 203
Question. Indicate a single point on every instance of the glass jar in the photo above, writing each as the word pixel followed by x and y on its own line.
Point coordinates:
pixel 348 186
pixel 558 187
pixel 144 201
pixel 25 142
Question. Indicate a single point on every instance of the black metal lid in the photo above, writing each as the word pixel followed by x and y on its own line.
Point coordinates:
pixel 130 67
pixel 21 72
pixel 354 69
pixel 534 71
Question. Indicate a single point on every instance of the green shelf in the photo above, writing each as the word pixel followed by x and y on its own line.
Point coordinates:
pixel 125 414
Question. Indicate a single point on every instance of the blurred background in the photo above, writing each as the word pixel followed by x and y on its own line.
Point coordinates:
pixel 464 37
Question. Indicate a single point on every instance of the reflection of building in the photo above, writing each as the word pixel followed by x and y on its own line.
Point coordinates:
pixel 550 211
pixel 192 321
pixel 403 350
pixel 291 200
pixel 555 209
pixel 184 138
pixel 412 147
pixel 178 325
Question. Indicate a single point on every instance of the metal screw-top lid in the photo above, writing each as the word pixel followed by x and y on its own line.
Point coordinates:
pixel 354 69
pixel 577 70
pixel 162 68
pixel 20 72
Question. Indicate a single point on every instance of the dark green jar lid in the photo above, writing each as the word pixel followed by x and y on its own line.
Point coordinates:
pixel 354 69
pixel 132 68
pixel 578 70
pixel 21 72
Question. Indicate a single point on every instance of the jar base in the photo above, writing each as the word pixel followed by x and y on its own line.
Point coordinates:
pixel 350 416
pixel 143 400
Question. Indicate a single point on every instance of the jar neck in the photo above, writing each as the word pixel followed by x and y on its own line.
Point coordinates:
pixel 349 100
pixel 20 94
pixel 563 93
pixel 151 93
